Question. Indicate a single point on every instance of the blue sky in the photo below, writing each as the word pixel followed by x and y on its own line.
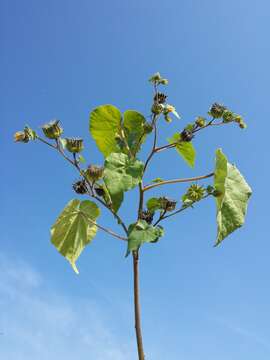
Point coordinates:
pixel 60 59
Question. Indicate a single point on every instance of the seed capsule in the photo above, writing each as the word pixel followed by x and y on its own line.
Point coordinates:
pixel 94 172
pixel 74 145
pixel 80 187
pixel 21 136
pixel 147 216
pixel 157 108
pixel 160 98
pixel 52 130
pixel 167 204
pixel 186 135
pixel 217 110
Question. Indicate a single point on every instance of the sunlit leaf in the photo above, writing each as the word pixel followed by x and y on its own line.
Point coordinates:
pixel 105 123
pixel 184 148
pixel 74 229
pixel 134 129
pixel 232 201
pixel 121 173
pixel 142 232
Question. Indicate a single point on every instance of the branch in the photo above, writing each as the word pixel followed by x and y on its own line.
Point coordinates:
pixel 58 148
pixel 163 217
pixel 108 230
pixel 175 181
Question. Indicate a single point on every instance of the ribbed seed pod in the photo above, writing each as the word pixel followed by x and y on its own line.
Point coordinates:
pixel 186 135
pixel 74 145
pixel 52 130
pixel 94 172
pixel 160 98
pixel 80 187
pixel 167 204
pixel 147 216
pixel 217 110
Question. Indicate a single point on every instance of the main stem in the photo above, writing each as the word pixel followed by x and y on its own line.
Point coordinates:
pixel 137 305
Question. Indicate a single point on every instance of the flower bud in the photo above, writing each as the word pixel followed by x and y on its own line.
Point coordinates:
pixel 157 108
pixel 94 173
pixel 163 82
pixel 80 187
pixel 74 145
pixel 52 130
pixel 200 121
pixel 186 135
pixel 217 110
pixel 238 119
pixel 242 125
pixel 228 116
pixel 156 77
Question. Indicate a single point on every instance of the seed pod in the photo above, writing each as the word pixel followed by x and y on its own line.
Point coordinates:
pixel 200 121
pixel 147 216
pixel 167 204
pixel 186 135
pixel 157 108
pixel 80 187
pixel 217 110
pixel 74 145
pixel 94 172
pixel 52 130
pixel 160 98
pixel 21 136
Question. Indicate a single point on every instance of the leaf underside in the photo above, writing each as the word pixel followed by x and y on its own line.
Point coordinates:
pixel 74 229
pixel 185 149
pixel 232 203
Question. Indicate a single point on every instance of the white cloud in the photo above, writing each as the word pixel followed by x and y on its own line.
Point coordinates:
pixel 37 324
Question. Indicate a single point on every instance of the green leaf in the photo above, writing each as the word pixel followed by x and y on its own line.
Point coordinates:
pixel 233 199
pixel 140 233
pixel 74 229
pixel 134 129
pixel 121 173
pixel 154 204
pixel 105 123
pixel 185 149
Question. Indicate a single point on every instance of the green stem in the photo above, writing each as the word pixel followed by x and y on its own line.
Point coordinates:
pixel 175 181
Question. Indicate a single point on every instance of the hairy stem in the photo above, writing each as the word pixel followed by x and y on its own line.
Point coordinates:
pixel 175 181
pixel 137 309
